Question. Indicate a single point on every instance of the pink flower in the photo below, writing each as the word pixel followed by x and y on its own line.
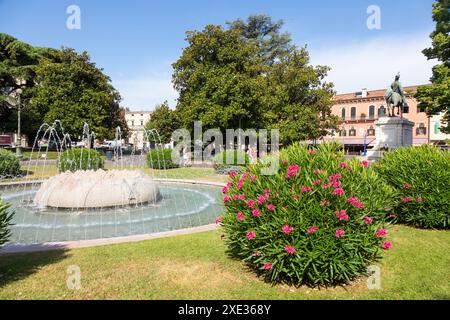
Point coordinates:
pixel 292 171
pixel 240 216
pixel 226 199
pixel 340 233
pixel 342 215
pixel 336 184
pixel 232 174
pixel 418 199
pixel 364 163
pixel 387 245
pixel 359 205
pixel 312 229
pixel 352 200
pixel 229 184
pixel 306 189
pixel 256 254
pixel 336 176
pixel 338 191
pixel 312 151
pixel 218 220
pixel 261 199
pixel 267 266
pixel 241 196
pixel 381 233
pixel 256 213
pixel 240 184
pixel 235 197
pixel 252 178
pixel 287 229
pixel 324 203
pixel 290 250
pixel 343 165
pixel 326 185
pixel 406 200
pixel 407 186
pixel 284 162
pixel 316 182
pixel 266 191
pixel 250 235
pixel 368 220
pixel 271 207
pixel 250 203
pixel 224 189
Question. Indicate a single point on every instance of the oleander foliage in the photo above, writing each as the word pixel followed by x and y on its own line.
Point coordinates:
pixel 9 164
pixel 319 220
pixel 421 175
pixel 5 222
pixel 80 159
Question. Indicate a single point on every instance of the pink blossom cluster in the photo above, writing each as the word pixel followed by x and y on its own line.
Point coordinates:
pixel 292 170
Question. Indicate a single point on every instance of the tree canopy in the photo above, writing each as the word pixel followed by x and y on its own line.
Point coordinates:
pixel 435 98
pixel 163 120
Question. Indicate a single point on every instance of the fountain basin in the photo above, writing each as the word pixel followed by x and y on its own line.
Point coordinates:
pixel 97 189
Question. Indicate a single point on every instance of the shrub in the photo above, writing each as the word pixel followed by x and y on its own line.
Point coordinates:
pixel 9 164
pixel 163 159
pixel 5 222
pixel 319 220
pixel 230 160
pixel 80 159
pixel 421 175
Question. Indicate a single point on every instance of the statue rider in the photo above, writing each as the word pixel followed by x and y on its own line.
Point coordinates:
pixel 396 86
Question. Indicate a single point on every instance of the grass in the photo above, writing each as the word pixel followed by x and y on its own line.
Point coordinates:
pixel 196 267
pixel 52 155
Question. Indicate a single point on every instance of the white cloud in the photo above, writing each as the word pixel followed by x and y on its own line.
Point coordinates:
pixel 372 64
pixel 144 92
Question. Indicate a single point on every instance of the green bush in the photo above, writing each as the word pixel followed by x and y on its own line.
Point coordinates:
pixel 319 220
pixel 237 158
pixel 9 164
pixel 5 222
pixel 163 159
pixel 80 159
pixel 421 175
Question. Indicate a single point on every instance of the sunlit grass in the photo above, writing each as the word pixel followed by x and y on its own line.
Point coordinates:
pixel 196 267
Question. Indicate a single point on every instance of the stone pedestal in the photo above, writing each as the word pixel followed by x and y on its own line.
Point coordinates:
pixel 391 132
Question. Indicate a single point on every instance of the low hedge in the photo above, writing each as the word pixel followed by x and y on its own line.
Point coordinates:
pixel 163 159
pixel 80 159
pixel 230 160
pixel 9 164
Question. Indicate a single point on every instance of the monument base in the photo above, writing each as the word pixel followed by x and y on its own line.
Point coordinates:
pixel 391 133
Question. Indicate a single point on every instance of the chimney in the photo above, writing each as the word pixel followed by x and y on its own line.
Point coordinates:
pixel 364 92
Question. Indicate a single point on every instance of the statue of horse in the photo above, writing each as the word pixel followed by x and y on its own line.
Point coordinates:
pixel 393 100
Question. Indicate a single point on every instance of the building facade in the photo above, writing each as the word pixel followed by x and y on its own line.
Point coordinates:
pixel 359 112
pixel 136 121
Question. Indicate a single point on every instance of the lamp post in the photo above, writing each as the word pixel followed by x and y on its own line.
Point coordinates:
pixel 19 134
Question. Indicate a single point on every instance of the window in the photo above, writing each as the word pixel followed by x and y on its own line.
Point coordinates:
pixel 352 132
pixel 342 133
pixel 420 110
pixel 132 122
pixel 406 109
pixel 343 114
pixel 142 122
pixel 353 113
pixel 371 131
pixel 371 112
pixel 421 130
pixel 381 111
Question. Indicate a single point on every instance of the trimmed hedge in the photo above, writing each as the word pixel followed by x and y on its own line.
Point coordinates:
pixel 5 222
pixel 80 159
pixel 162 159
pixel 421 175
pixel 319 220
pixel 238 159
pixel 9 164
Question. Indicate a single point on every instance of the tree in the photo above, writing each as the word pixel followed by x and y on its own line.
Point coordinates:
pixel 266 35
pixel 435 98
pixel 301 101
pixel 219 80
pixel 164 121
pixel 73 90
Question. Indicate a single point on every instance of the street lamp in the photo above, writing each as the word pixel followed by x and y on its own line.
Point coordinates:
pixel 19 134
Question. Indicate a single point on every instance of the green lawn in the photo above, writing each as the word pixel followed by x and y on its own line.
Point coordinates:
pixel 197 267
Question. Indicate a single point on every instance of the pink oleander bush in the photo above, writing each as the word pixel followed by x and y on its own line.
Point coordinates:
pixel 421 176
pixel 319 220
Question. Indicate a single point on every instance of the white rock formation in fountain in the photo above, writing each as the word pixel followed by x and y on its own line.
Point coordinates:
pixel 97 189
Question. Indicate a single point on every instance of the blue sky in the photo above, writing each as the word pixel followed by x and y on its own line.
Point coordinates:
pixel 136 41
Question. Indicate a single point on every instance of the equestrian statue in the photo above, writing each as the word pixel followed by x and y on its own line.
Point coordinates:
pixel 395 98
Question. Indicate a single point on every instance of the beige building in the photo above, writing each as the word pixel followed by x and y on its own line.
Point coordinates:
pixel 136 121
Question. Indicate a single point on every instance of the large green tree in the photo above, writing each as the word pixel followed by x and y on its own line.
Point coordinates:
pixel 435 98
pixel 219 80
pixel 164 121
pixel 266 35
pixel 73 90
